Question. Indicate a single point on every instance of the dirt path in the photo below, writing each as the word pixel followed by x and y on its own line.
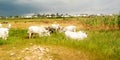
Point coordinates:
pixel 36 52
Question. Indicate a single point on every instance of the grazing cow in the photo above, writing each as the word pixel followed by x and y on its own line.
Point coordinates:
pixel 40 30
pixel 76 35
pixel 54 28
pixel 4 32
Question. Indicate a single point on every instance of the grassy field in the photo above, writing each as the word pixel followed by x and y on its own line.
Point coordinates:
pixel 102 43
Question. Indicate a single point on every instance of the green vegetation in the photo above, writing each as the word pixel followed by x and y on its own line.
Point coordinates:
pixel 101 20
pixel 99 45
pixel 104 44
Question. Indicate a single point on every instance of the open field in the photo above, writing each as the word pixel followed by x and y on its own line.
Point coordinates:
pixel 102 43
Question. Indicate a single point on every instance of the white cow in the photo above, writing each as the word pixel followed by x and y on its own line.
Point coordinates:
pixel 69 28
pixel 4 32
pixel 40 30
pixel 55 26
pixel 76 35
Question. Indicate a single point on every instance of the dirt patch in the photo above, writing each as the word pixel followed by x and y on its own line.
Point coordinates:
pixel 37 52
pixel 32 53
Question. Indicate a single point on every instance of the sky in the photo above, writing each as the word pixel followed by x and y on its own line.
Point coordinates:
pixel 26 7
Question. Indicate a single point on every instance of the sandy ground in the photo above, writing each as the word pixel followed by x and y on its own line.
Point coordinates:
pixel 26 24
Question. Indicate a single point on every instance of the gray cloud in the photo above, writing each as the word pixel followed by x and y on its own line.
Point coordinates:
pixel 20 7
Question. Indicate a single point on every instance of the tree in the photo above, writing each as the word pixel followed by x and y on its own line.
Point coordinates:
pixel 38 15
pixel 2 17
pixel 52 15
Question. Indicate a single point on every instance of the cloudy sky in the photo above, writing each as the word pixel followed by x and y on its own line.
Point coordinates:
pixel 22 7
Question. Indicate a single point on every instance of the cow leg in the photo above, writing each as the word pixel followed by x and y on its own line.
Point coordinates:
pixel 30 35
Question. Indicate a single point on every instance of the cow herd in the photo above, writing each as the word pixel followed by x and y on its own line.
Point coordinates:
pixel 69 31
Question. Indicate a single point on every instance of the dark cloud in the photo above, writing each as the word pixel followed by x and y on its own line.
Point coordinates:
pixel 8 8
pixel 21 7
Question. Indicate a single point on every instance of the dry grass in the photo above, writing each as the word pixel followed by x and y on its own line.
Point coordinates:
pixel 25 24
pixel 65 53
pixel 56 52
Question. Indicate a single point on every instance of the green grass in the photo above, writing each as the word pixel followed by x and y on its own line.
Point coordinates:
pixel 105 45
pixel 101 20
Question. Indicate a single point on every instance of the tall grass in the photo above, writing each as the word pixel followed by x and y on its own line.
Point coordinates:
pixel 104 44
pixel 101 20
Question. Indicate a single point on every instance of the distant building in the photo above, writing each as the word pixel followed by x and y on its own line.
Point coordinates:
pixel 99 14
pixel 84 15
pixel 49 16
pixel 65 15
pixel 27 16
pixel 110 14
